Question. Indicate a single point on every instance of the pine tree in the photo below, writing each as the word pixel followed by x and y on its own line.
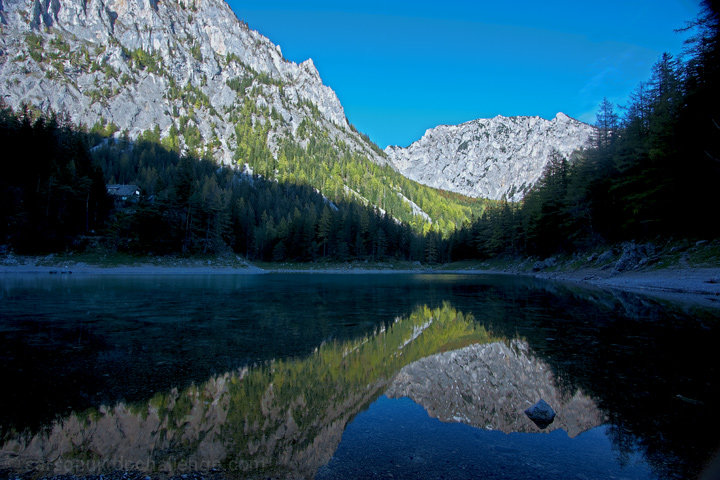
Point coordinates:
pixel 607 125
pixel 325 226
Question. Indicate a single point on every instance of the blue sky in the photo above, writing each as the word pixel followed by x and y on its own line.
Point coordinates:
pixel 401 67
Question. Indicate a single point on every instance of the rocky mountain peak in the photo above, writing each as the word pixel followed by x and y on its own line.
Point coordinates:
pixel 137 64
pixel 309 66
pixel 491 158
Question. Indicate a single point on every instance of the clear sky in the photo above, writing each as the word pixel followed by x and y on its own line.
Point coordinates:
pixel 401 67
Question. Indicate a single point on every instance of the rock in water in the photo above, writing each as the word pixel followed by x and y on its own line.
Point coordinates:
pixel 541 414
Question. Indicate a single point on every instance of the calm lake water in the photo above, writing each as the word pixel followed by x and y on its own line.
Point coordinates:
pixel 351 376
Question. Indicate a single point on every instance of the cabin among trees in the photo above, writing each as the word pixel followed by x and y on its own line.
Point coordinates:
pixel 124 195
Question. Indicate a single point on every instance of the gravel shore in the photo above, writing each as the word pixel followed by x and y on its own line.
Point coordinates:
pixel 682 284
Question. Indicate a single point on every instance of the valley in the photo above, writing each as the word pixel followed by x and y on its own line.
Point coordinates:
pixel 207 271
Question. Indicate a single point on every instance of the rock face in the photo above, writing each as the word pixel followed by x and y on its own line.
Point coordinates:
pixel 490 158
pixel 490 386
pixel 189 67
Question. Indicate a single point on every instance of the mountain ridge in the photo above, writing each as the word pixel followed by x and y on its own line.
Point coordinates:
pixel 115 61
pixel 495 158
pixel 499 115
pixel 198 80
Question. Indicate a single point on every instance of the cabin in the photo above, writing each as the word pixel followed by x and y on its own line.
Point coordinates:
pixel 124 195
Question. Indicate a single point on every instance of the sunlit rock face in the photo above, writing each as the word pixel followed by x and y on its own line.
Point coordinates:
pixel 490 386
pixel 138 64
pixel 490 158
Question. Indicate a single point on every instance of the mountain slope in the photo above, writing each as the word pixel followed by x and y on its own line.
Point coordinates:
pixel 143 63
pixel 197 79
pixel 489 158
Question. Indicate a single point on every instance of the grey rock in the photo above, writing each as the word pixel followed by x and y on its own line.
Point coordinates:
pixel 541 414
pixel 629 258
pixel 634 256
pixel 203 48
pixel 491 158
pixel 605 257
pixel 543 264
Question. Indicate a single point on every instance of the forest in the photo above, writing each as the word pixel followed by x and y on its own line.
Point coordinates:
pixel 55 199
pixel 652 172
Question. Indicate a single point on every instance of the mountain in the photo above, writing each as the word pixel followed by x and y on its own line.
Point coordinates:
pixel 192 76
pixel 489 158
pixel 141 63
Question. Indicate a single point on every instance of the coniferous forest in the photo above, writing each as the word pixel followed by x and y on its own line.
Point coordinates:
pixel 55 199
pixel 652 172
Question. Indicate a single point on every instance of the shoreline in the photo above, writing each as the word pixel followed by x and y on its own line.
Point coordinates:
pixel 695 285
pixel 699 284
pixel 693 280
pixel 140 269
pixel 686 284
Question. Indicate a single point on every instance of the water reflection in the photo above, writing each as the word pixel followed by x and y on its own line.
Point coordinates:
pixel 284 417
pixel 489 386
pixel 261 376
pixel 69 344
pixel 412 445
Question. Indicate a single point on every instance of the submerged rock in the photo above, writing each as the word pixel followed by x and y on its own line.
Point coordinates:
pixel 541 414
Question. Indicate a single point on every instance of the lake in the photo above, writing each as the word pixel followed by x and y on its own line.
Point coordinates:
pixel 351 376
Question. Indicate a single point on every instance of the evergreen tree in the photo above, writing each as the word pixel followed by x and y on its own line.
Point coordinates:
pixel 607 125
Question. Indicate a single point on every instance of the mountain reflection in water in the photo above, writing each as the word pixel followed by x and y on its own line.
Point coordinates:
pixel 285 416
pixel 475 351
pixel 490 386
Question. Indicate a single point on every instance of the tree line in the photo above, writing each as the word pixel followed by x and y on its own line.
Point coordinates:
pixel 55 199
pixel 652 171
pixel 51 189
